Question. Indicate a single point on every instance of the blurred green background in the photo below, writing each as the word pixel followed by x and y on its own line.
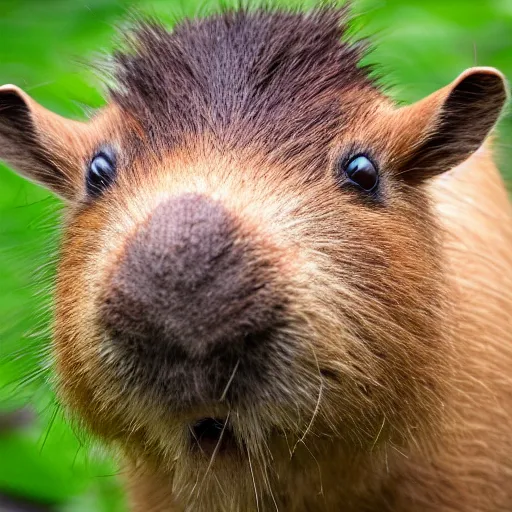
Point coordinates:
pixel 47 47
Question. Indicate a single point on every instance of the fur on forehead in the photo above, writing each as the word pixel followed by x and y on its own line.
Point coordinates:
pixel 265 79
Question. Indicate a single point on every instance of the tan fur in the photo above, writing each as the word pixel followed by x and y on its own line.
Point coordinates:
pixel 472 206
pixel 469 464
pixel 397 395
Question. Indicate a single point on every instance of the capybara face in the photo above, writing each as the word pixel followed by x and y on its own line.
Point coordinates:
pixel 250 264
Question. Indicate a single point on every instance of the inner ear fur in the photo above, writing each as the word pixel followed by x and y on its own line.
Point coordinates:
pixel 445 128
pixel 41 145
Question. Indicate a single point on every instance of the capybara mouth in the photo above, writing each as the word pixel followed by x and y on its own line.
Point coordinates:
pixel 212 435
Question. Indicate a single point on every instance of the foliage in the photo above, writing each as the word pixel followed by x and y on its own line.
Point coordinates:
pixel 46 47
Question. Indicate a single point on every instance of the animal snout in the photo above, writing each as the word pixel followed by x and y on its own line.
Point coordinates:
pixel 190 282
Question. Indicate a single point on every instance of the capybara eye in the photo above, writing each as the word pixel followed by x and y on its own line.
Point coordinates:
pixel 362 172
pixel 101 172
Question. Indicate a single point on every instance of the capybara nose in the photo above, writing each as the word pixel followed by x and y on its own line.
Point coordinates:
pixel 190 280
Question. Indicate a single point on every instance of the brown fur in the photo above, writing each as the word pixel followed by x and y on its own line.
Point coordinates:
pixel 358 344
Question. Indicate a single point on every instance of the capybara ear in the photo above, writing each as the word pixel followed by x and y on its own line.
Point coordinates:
pixel 446 127
pixel 41 145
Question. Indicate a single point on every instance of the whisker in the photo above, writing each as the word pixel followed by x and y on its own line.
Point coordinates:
pixel 264 470
pixel 50 425
pixel 317 405
pixel 223 396
pixel 378 434
pixel 253 481
pixel 214 454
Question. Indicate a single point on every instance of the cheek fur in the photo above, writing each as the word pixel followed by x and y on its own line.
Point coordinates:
pixel 362 329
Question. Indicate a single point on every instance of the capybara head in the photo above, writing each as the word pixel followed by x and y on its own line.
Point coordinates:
pixel 250 263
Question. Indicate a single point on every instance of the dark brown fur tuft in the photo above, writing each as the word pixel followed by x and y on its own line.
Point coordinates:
pixel 262 79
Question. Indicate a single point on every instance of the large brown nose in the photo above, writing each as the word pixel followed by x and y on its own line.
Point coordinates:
pixel 190 280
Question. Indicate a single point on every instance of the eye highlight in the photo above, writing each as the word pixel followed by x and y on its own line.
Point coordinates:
pixel 101 172
pixel 361 171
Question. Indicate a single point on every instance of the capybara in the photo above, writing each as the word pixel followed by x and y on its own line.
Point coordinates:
pixel 277 289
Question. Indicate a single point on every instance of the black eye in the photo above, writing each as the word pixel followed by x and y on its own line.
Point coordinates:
pixel 101 172
pixel 361 171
